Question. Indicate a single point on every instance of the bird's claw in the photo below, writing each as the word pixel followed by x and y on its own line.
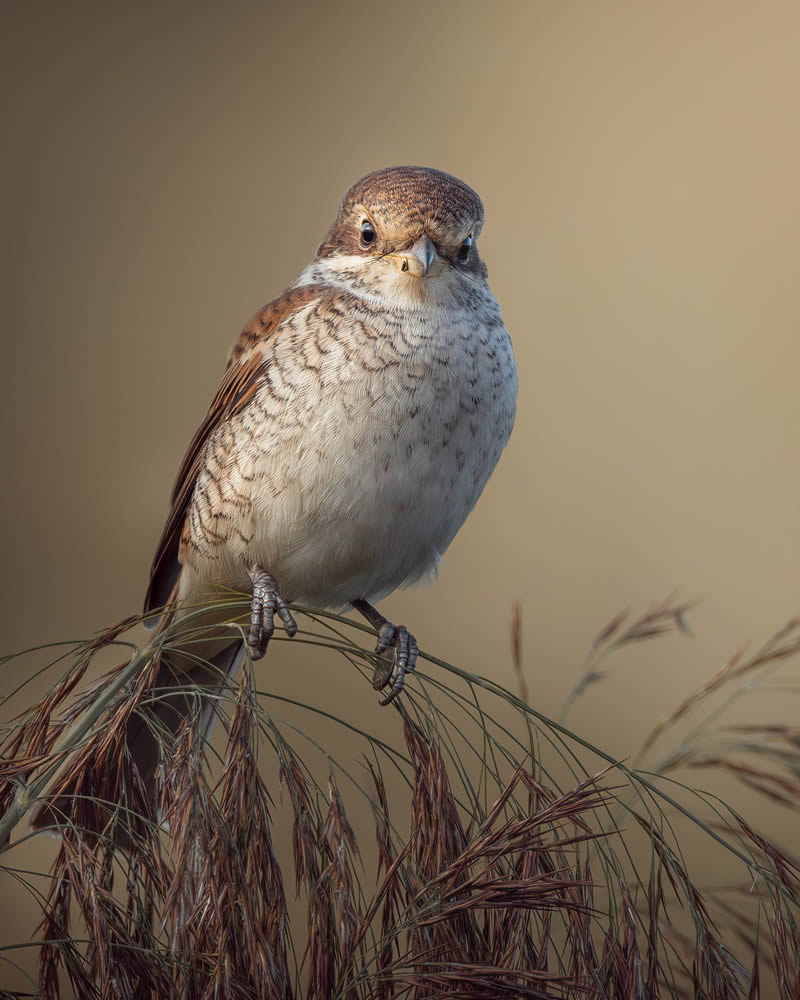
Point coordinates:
pixel 404 659
pixel 266 602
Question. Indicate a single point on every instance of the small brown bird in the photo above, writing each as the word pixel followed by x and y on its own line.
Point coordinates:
pixel 359 418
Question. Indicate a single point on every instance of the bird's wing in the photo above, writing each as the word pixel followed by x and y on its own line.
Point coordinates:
pixel 243 377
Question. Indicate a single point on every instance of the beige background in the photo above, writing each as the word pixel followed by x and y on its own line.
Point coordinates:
pixel 166 173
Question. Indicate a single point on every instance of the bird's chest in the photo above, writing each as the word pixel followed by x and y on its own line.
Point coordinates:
pixel 414 416
pixel 402 414
pixel 363 454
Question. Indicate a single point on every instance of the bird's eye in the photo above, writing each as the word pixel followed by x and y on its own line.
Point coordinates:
pixel 464 249
pixel 367 233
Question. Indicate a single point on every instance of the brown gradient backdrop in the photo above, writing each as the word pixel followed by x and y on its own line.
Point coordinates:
pixel 168 172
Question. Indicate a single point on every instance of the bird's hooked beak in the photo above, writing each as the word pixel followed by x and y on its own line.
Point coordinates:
pixel 418 259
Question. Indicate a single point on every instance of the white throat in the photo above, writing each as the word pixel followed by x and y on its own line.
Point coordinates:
pixel 379 281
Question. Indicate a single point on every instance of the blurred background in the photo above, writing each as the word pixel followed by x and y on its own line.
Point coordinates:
pixel 166 171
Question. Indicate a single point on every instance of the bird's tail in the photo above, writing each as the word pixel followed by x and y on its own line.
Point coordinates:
pixel 110 786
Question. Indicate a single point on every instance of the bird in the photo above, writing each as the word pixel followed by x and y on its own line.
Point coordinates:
pixel 359 418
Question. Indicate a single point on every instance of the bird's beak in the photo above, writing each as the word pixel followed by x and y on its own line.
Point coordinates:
pixel 417 259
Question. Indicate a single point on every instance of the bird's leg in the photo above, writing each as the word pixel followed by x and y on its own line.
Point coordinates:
pixel 266 601
pixel 390 636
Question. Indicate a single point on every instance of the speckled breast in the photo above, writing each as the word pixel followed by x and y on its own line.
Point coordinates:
pixel 390 443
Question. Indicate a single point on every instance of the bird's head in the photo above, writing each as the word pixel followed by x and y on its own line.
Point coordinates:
pixel 409 233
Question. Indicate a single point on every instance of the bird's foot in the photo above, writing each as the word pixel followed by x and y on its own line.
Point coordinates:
pixel 404 659
pixel 266 601
pixel 404 655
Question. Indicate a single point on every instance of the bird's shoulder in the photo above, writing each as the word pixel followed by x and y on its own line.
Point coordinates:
pixel 302 307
